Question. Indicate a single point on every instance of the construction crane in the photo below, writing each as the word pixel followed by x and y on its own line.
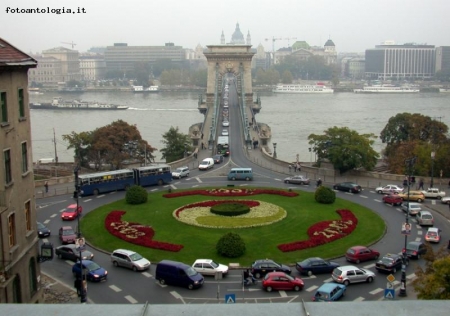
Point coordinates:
pixel 273 42
pixel 290 38
pixel 72 44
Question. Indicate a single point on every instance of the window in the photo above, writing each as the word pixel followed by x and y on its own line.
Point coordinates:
pixel 32 276
pixel 12 229
pixel 7 159
pixel 24 157
pixel 28 215
pixel 21 104
pixel 4 109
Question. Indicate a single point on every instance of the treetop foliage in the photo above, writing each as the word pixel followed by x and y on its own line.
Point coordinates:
pixel 176 144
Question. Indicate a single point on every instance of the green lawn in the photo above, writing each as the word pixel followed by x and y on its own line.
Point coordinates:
pixel 261 242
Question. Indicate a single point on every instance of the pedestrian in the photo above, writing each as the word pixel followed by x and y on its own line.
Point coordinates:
pixel 290 168
pixel 298 167
pixel 202 135
pixel 295 167
pixel 203 146
pixel 46 186
pixel 421 184
pixel 405 182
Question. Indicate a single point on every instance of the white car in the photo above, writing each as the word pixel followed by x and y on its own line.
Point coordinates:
pixel 390 188
pixel 224 132
pixel 445 200
pixel 433 235
pixel 226 123
pixel 209 267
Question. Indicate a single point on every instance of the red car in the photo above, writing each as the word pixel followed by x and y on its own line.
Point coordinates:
pixel 392 199
pixel 281 281
pixel 67 235
pixel 70 213
pixel 360 253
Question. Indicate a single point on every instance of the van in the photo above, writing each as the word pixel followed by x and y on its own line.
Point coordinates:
pixel 206 164
pixel 240 174
pixel 178 273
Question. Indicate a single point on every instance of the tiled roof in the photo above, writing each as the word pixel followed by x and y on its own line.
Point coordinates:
pixel 12 57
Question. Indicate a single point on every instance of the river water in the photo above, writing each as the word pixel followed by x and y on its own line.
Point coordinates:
pixel 292 117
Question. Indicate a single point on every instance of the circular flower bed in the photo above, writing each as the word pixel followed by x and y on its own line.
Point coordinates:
pixel 199 214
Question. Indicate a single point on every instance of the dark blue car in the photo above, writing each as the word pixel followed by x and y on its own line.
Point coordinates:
pixel 329 292
pixel 93 270
pixel 315 265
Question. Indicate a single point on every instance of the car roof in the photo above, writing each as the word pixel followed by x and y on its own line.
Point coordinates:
pixel 203 261
pixel 358 247
pixel 391 255
pixel 346 268
pixel 66 227
pixel 425 212
pixel 276 273
pixel 124 251
pixel 416 243
pixel 72 206
pixel 328 286
pixel 433 229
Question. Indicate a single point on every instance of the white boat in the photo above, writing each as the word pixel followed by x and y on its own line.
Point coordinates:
pixel 302 88
pixel 444 90
pixel 387 89
pixel 151 89
pixel 59 104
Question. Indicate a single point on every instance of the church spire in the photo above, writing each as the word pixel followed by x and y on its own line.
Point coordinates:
pixel 222 39
pixel 249 38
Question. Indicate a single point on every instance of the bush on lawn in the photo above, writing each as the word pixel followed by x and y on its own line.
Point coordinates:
pixel 325 195
pixel 136 195
pixel 230 245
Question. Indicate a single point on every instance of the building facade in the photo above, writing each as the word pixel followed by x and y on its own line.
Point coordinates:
pixel 48 71
pixel 92 67
pixel 408 61
pixel 443 58
pixel 70 64
pixel 19 243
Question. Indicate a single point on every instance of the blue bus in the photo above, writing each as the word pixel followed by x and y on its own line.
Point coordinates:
pixel 103 182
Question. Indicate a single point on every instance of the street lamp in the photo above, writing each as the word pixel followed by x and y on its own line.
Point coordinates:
pixel 433 154
pixel 406 231
pixel 185 150
pixel 275 150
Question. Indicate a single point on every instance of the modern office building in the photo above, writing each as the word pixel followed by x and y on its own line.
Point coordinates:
pixel 19 243
pixel 443 58
pixel 408 61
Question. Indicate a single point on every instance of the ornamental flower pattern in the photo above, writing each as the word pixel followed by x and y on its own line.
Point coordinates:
pixel 231 192
pixel 135 233
pixel 325 232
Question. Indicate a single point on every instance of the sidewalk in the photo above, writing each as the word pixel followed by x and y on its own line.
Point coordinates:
pixel 56 292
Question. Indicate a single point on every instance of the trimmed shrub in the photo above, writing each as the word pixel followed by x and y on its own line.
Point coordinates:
pixel 230 245
pixel 136 195
pixel 325 195
pixel 230 209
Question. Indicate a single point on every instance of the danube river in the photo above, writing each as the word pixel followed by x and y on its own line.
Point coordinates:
pixel 292 117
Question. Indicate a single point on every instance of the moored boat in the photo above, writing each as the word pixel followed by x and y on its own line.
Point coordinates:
pixel 387 89
pixel 151 89
pixel 59 104
pixel 444 90
pixel 302 88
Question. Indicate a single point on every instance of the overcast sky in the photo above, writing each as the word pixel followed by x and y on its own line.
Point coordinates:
pixel 353 25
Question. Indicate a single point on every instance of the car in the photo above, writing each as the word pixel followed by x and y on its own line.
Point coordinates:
pixel 433 235
pixel 224 132
pixel 433 193
pixel 218 159
pixel 281 281
pixel 415 249
pixel 264 266
pixel 67 235
pixel 315 265
pixel 226 123
pixel 445 200
pixel 414 208
pixel 416 196
pixel 43 231
pixel 390 188
pixel 425 218
pixel 71 213
pixel 209 267
pixel 391 262
pixel 72 252
pixel 297 180
pixel 348 187
pixel 181 172
pixel 350 274
pixel 392 199
pixel 329 292
pixel 94 272
pixel 358 254
pixel 206 164
pixel 129 259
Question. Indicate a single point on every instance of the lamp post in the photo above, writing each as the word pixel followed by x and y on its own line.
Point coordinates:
pixel 310 156
pixel 275 150
pixel 80 284
pixel 433 154
pixel 185 150
pixel 405 230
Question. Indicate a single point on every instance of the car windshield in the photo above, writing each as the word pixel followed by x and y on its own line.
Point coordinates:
pixel 433 234
pixel 135 257
pixel 191 272
pixel 70 210
pixel 92 266
pixel 387 260
pixel 67 232
pixel 214 264
pixel 40 225
pixel 178 170
pixel 426 216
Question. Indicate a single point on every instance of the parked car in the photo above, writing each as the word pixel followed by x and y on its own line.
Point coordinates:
pixel 360 253
pixel 329 292
pixel 391 262
pixel 315 265
pixel 71 252
pixel 415 249
pixel 424 218
pixel 433 235
pixel 434 193
pixel 181 172
pixel 93 270
pixel 67 235
pixel 416 196
pixel 209 267
pixel 392 199
pixel 264 266
pixel 351 274
pixel 390 188
pixel 71 213
pixel 348 187
pixel 43 231
pixel 129 259
pixel 414 208
pixel 218 159
pixel 281 281
pixel 297 180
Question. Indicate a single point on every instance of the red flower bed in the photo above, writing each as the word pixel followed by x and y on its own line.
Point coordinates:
pixel 325 232
pixel 231 192
pixel 135 233
pixel 212 203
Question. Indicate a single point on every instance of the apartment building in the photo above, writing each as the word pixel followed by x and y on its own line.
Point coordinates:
pixel 48 71
pixel 92 67
pixel 19 243
pixel 70 64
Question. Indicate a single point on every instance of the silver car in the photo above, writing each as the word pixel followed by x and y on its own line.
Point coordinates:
pixel 129 259
pixel 351 274
pixel 414 208
pixel 390 188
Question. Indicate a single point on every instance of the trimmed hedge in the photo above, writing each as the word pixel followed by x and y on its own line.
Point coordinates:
pixel 230 209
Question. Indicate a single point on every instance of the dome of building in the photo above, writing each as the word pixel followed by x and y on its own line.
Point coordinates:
pixel 237 37
pixel 329 43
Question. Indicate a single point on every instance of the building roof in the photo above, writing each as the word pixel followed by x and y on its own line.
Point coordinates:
pixel 10 56
pixel 329 43
pixel 237 37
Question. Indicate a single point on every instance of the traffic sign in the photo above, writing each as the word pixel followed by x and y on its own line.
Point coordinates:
pixel 390 278
pixel 389 293
pixel 390 285
pixel 230 298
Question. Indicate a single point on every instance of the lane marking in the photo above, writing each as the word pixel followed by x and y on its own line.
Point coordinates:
pixel 115 288
pixel 100 196
pixel 364 197
pixel 369 266
pixel 46 221
pixel 130 299
pixel 282 293
pixel 377 200
pixel 173 186
pixel 328 280
pixel 419 232
pixel 376 291
pixel 312 288
pixel 88 200
pixel 359 299
pixel 198 180
pixel 146 274
pixel 418 239
pixel 411 276
pixel 51 216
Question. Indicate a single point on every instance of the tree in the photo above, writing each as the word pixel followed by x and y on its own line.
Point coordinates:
pixel 287 77
pixel 433 281
pixel 176 144
pixel 81 143
pixel 345 148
